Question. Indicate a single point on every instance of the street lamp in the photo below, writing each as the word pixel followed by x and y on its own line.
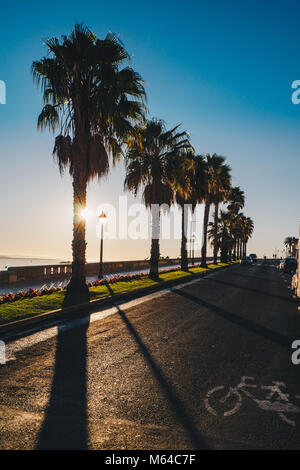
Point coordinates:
pixel 193 248
pixel 102 219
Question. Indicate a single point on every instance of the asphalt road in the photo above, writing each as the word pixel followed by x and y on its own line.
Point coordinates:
pixel 156 375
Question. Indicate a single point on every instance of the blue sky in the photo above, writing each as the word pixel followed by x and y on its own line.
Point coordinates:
pixel 222 69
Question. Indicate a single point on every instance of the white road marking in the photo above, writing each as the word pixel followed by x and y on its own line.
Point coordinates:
pixel 280 404
pixel 63 326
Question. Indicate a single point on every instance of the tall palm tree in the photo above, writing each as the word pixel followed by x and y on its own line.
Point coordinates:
pixel 221 190
pixel 151 166
pixel 95 103
pixel 236 201
pixel 247 231
pixel 242 229
pixel 237 230
pixel 288 241
pixel 221 227
pixel 291 243
pixel 190 189
pixel 184 186
pixel 295 246
pixel 217 175
pixel 213 229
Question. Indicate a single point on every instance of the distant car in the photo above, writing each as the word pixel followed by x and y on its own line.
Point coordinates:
pixel 289 265
pixel 253 257
pixel 246 261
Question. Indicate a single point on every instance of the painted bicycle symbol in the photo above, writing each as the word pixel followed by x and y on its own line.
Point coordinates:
pixel 276 400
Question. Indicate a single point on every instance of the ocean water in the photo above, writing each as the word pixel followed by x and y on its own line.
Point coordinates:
pixel 10 262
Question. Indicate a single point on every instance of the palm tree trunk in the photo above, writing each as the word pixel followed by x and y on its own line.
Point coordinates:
pixel 184 258
pixel 154 257
pixel 224 254
pixel 81 147
pixel 216 248
pixel 230 254
pixel 205 225
pixel 78 281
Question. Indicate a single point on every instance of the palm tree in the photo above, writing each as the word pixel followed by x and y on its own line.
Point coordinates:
pixel 295 246
pixel 151 166
pixel 213 230
pixel 221 227
pixel 247 231
pixel 190 189
pixel 184 186
pixel 95 104
pixel 236 201
pixel 291 243
pixel 222 188
pixel 288 244
pixel 242 229
pixel 237 229
pixel 217 183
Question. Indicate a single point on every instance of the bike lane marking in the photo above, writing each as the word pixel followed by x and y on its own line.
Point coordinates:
pixel 280 405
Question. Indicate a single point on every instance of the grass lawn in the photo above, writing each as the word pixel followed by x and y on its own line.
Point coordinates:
pixel 29 307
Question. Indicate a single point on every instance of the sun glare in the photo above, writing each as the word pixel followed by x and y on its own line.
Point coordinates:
pixel 86 214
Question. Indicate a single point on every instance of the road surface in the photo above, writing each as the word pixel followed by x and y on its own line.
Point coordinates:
pixel 156 374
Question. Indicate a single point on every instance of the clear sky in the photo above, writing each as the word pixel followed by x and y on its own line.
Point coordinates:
pixel 222 69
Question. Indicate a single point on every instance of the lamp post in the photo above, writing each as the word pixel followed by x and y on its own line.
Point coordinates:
pixel 193 248
pixel 102 218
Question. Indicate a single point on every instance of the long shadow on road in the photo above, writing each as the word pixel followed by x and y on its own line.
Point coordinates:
pixel 183 416
pixel 65 424
pixel 260 330
pixel 251 289
pixel 255 277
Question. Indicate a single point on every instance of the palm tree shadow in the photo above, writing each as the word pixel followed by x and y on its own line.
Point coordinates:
pixel 250 325
pixel 252 289
pixel 71 298
pixel 183 416
pixel 154 278
pixel 254 277
pixel 65 423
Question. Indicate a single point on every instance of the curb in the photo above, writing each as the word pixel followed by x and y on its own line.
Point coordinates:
pixel 80 310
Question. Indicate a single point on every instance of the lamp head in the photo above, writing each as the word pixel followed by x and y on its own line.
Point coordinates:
pixel 102 218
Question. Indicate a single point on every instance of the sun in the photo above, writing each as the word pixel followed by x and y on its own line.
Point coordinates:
pixel 86 214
